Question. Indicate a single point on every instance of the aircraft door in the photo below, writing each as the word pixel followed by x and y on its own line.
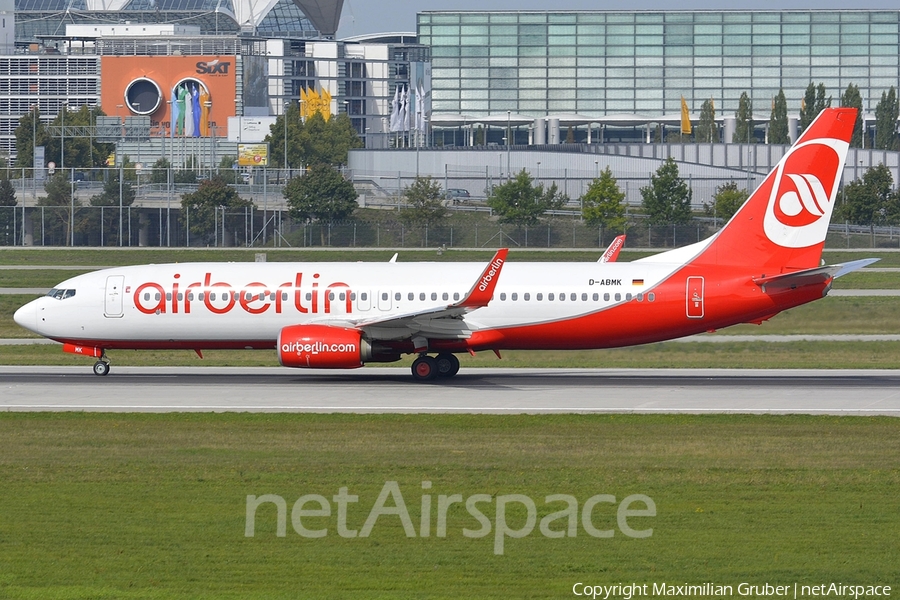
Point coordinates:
pixel 695 305
pixel 114 296
pixel 384 299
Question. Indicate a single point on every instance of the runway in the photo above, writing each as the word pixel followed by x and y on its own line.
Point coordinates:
pixel 497 391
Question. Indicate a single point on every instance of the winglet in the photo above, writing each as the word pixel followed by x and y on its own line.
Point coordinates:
pixel 612 253
pixel 483 290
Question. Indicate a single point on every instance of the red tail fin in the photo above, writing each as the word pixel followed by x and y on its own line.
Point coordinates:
pixel 782 225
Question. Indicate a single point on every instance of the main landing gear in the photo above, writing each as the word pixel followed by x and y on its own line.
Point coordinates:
pixel 426 368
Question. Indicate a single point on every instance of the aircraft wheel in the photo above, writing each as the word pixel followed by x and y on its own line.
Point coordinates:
pixel 447 365
pixel 101 368
pixel 424 368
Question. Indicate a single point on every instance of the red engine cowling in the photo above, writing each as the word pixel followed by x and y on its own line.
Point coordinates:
pixel 321 347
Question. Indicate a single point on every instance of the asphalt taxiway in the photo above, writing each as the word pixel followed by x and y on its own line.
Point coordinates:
pixel 503 391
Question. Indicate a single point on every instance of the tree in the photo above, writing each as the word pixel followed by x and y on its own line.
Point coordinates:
pixel 425 207
pixel 201 207
pixel 667 199
pixel 59 200
pixel 522 204
pixel 726 201
pixel 743 131
pixel 602 204
pixel 29 125
pixel 867 200
pixel 315 141
pixel 886 113
pixel 188 173
pixel 7 206
pixel 814 102
pixel 160 171
pixel 778 122
pixel 707 131
pixel 92 224
pixel 320 194
pixel 851 98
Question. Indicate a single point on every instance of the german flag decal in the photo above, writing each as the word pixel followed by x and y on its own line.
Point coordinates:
pixel 637 282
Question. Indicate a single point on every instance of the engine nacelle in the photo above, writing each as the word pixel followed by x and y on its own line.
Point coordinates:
pixel 322 347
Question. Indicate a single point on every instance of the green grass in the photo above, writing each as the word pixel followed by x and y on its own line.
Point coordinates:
pixel 153 506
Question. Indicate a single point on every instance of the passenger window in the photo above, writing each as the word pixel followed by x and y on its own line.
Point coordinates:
pixel 411 296
pixel 397 296
pixel 628 297
pixel 363 296
pixel 573 297
pixel 651 297
pixel 618 296
pixel 445 296
pixel 455 296
pixel 330 296
pixel 212 296
pixel 584 297
pixel 352 296
pixel 180 296
pixel 190 296
pixel 640 297
pixel 342 296
pixel 514 296
pixel 503 297
pixel 596 296
pixel 308 296
pixel 550 297
pixel 158 297
pixel 422 296
pixel 562 297
pixel 146 296
pixel 526 296
pixel 606 297
pixel 540 297
pixel 384 296
pixel 200 296
pixel 434 295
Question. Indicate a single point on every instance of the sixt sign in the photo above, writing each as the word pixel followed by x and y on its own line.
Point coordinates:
pixel 213 67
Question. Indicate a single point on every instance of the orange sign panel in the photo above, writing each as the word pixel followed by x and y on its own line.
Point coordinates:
pixel 190 96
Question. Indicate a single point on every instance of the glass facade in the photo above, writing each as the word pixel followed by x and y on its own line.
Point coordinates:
pixel 605 62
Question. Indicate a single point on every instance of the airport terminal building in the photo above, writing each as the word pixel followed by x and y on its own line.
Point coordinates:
pixel 604 67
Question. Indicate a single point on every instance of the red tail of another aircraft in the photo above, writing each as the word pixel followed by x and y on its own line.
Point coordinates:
pixel 783 224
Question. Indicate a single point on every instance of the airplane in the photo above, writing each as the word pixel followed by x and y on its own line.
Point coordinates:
pixel 766 259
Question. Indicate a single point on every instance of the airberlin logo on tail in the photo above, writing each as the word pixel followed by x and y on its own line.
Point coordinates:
pixel 803 193
pixel 492 272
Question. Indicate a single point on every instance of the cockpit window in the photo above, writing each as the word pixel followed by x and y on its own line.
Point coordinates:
pixel 60 294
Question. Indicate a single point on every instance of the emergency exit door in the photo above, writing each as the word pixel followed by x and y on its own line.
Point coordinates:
pixel 695 306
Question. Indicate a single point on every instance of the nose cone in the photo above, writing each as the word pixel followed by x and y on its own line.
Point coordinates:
pixel 27 316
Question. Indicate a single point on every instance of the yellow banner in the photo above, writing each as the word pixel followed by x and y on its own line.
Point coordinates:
pixel 685 118
pixel 253 155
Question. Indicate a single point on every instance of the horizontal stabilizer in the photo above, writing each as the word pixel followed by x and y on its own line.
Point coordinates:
pixel 810 276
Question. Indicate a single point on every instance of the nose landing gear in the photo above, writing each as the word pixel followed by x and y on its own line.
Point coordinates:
pixel 101 367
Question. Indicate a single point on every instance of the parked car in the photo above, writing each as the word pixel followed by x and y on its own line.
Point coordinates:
pixel 457 195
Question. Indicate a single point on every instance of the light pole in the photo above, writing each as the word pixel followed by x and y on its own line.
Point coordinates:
pixel 508 142
pixel 62 155
pixel 287 106
pixel 35 114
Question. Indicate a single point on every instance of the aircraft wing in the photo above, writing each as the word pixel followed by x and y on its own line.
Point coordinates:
pixel 441 321
pixel 810 276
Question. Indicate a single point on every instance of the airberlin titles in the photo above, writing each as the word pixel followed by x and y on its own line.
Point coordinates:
pixel 256 298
